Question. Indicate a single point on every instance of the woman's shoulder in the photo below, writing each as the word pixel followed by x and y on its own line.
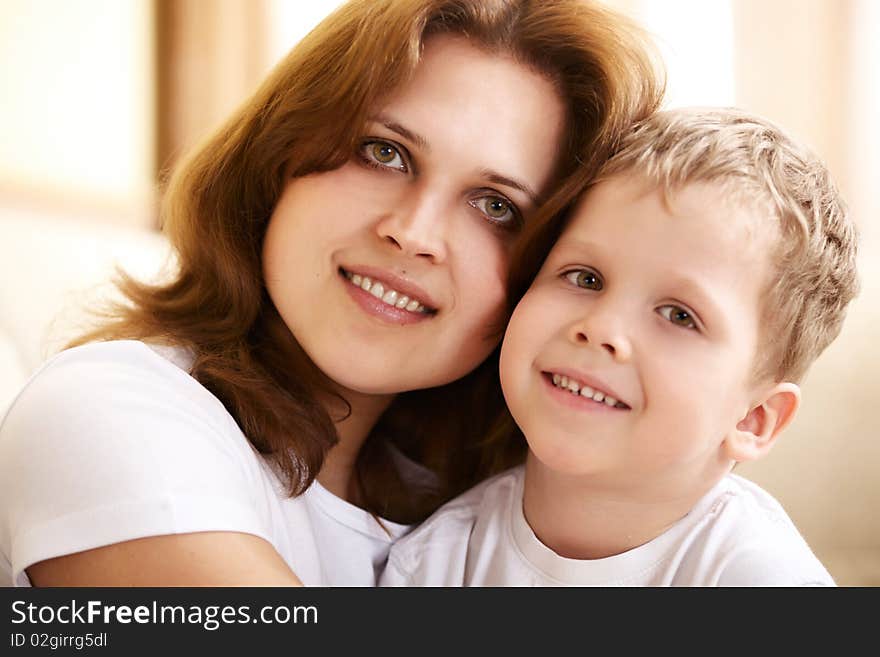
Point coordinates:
pixel 104 361
pixel 119 402
pixel 121 374
pixel 113 441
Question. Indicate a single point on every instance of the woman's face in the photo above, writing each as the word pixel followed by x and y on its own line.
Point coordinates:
pixel 390 271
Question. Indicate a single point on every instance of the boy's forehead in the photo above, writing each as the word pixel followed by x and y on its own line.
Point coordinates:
pixel 730 210
pixel 607 202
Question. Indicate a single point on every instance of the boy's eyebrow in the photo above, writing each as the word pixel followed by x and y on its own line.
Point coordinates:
pixel 567 243
pixel 686 287
pixel 691 289
pixel 488 174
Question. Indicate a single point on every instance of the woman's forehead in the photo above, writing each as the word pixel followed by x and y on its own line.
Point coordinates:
pixel 484 109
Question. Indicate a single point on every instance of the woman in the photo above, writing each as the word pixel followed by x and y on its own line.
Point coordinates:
pixel 321 370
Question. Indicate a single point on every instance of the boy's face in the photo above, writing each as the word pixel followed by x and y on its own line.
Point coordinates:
pixel 656 306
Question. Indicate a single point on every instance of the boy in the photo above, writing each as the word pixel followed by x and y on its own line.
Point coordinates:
pixel 660 344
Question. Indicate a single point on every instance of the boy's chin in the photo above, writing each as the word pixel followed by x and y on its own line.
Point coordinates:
pixel 561 462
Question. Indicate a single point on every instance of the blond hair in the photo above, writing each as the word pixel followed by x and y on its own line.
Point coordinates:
pixel 308 116
pixel 813 265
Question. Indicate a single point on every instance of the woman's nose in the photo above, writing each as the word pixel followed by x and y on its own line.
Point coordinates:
pixel 603 325
pixel 417 225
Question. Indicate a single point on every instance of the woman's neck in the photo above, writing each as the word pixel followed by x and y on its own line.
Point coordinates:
pixel 337 472
pixel 580 517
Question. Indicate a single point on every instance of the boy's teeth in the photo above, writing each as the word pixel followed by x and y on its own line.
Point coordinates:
pixel 562 381
pixel 389 296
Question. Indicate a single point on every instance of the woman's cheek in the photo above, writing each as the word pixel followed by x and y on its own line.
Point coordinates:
pixel 488 261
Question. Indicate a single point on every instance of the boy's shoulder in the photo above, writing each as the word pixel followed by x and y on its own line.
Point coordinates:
pixel 741 504
pixel 755 539
pixel 457 517
pixel 443 539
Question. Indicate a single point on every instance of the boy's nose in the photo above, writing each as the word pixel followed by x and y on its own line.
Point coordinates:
pixel 417 225
pixel 602 326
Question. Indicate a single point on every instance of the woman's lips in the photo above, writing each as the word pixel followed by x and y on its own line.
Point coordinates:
pixel 378 303
pixel 367 277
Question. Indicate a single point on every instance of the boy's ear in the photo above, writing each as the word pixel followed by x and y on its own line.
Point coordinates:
pixel 756 433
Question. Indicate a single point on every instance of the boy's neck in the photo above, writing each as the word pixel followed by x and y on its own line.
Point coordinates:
pixel 579 517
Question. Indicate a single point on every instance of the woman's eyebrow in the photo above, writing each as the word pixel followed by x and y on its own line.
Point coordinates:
pixel 406 133
pixel 488 174
pixel 497 178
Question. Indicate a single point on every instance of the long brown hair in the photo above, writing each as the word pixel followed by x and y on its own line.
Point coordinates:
pixel 307 117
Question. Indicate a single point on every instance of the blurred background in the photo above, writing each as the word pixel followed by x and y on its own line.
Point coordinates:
pixel 100 97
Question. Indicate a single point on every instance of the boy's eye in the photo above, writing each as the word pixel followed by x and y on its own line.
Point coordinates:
pixel 678 316
pixel 498 210
pixel 382 155
pixel 584 278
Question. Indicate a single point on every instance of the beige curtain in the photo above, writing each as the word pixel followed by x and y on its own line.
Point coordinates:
pixel 793 62
pixel 210 55
pixel 812 66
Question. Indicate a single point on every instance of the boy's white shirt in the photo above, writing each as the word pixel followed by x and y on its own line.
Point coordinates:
pixel 736 535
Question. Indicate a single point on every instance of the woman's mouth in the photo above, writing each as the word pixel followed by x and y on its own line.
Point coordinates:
pixel 384 293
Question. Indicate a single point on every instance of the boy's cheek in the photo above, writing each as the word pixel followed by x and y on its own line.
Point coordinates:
pixel 531 332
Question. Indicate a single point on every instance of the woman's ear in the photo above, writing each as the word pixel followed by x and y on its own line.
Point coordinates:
pixel 755 434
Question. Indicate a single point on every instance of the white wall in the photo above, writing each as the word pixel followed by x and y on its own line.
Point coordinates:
pixel 77 105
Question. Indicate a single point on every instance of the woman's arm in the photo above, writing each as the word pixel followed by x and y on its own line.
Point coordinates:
pixel 198 559
pixel 111 445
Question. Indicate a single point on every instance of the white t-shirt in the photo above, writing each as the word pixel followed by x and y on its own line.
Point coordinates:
pixel 115 441
pixel 736 535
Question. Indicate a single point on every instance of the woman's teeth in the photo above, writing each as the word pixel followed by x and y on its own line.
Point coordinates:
pixel 575 388
pixel 386 295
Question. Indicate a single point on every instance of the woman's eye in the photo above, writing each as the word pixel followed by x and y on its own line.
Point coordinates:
pixel 678 316
pixel 498 209
pixel 382 155
pixel 584 278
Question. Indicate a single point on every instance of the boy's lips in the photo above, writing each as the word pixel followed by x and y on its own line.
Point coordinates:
pixel 584 385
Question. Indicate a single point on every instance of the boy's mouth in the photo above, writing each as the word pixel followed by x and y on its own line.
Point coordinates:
pixel 581 389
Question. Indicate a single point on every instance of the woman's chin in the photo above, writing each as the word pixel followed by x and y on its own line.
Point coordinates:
pixel 360 378
pixel 386 379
